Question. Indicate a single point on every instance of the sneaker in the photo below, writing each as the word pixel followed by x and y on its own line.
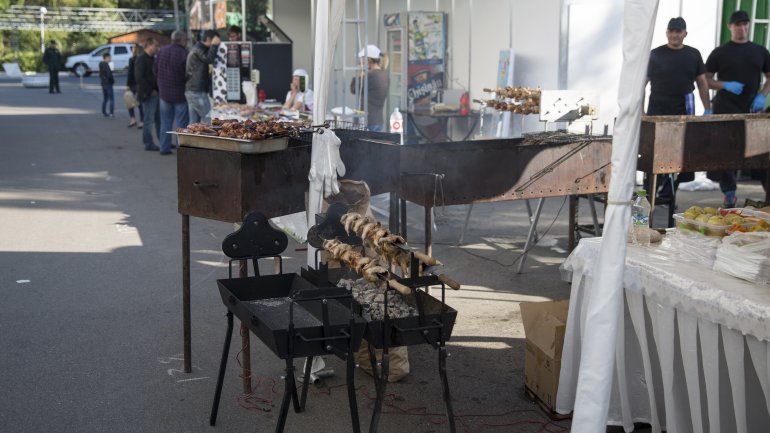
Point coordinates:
pixel 168 152
pixel 139 125
pixel 729 202
pixel 153 147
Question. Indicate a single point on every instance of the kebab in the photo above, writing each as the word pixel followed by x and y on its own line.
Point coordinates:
pixel 389 246
pixel 371 269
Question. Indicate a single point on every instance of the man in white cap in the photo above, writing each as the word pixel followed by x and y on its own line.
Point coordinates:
pixel 378 84
pixel 300 97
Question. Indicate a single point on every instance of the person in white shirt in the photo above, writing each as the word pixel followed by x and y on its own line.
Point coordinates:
pixel 299 97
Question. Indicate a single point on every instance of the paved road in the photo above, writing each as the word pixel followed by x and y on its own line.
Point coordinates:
pixel 90 294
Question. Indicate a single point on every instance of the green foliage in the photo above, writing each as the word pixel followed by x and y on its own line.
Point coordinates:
pixel 29 61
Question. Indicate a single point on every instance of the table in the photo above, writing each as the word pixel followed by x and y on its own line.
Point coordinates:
pixel 692 350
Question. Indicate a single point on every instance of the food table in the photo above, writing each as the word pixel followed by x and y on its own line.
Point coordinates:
pixel 692 349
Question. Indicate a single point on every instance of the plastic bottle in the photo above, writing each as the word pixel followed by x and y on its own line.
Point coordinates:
pixel 397 123
pixel 640 219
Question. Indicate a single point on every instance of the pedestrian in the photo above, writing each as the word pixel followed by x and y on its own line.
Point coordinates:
pixel 378 84
pixel 735 69
pixel 202 54
pixel 131 85
pixel 147 92
pixel 300 96
pixel 234 33
pixel 671 71
pixel 105 76
pixel 52 58
pixel 170 72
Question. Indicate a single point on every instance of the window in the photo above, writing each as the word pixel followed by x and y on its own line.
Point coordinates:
pixel 120 49
pixel 760 20
pixel 101 52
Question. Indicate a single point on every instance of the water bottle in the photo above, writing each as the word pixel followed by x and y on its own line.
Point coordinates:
pixel 640 219
pixel 397 123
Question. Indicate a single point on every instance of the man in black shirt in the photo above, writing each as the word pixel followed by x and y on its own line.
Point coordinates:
pixel 147 92
pixel 738 66
pixel 52 58
pixel 671 71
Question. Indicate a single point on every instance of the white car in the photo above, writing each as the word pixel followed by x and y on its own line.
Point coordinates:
pixel 84 64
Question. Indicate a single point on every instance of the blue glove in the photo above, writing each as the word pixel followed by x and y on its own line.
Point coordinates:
pixel 758 104
pixel 707 112
pixel 733 87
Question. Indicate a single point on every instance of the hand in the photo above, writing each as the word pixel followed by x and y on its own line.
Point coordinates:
pixel 733 87
pixel 707 112
pixel 758 104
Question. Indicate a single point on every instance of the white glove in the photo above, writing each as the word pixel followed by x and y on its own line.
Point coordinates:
pixel 325 163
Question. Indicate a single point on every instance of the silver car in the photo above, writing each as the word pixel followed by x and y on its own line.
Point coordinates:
pixel 83 65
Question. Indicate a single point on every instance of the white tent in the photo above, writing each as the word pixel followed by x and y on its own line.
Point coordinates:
pixel 597 360
pixel 325 162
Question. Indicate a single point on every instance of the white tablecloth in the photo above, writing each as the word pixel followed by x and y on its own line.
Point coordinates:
pixel 692 352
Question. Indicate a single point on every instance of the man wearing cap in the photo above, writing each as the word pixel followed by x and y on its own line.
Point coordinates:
pixel 299 97
pixel 735 69
pixel 378 84
pixel 671 71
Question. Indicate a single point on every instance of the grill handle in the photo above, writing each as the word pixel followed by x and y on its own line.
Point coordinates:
pixel 448 281
pixel 199 184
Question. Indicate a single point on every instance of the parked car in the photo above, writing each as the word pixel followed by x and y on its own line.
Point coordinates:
pixel 84 64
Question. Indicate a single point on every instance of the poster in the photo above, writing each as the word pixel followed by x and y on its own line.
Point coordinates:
pixel 426 37
pixel 505 69
pixel 425 80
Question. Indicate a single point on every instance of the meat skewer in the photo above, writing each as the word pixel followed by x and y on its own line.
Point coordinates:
pixel 370 269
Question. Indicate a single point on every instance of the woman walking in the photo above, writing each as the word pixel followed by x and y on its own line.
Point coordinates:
pixel 131 85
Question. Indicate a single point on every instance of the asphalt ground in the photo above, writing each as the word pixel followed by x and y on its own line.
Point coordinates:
pixel 90 294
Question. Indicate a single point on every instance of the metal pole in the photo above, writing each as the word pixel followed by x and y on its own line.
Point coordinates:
pixel 211 14
pixel 176 14
pixel 243 20
pixel 43 11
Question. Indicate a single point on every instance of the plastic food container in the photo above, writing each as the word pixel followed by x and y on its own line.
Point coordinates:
pixel 706 229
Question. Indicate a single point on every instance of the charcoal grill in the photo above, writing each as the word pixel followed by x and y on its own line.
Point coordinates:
pixel 432 325
pixel 293 317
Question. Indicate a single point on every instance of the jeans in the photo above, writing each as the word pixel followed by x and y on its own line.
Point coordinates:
pixel 53 80
pixel 109 96
pixel 150 119
pixel 171 113
pixel 198 105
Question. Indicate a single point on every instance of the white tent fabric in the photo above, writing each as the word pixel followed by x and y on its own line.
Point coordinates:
pixel 605 304
pixel 325 162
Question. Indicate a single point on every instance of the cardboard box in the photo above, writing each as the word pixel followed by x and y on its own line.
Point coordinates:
pixel 544 327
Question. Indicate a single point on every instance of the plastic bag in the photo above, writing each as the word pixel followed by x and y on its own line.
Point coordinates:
pixel 129 99
pixel 693 247
pixel 398 361
pixel 746 256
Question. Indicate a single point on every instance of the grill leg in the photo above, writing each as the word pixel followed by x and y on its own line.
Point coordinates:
pixel 442 355
pixel 373 361
pixel 289 390
pixel 352 392
pixel 305 383
pixel 222 368
pixel 381 391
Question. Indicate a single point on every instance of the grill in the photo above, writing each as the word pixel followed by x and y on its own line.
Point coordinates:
pixel 433 324
pixel 293 317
